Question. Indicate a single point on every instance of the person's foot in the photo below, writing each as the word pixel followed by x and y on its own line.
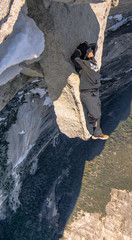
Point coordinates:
pixel 102 137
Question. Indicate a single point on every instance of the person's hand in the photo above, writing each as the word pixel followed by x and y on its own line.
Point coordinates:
pixel 79 51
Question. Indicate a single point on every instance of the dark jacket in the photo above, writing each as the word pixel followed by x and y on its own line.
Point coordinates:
pixel 88 71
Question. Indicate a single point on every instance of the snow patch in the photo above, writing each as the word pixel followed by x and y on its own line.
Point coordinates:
pixel 40 91
pixel 9 74
pixel 20 98
pixel 20 93
pixel 37 80
pixel 25 43
pixel 22 132
pixel 117 17
pixel 2 119
pixel 48 102
pixel 119 24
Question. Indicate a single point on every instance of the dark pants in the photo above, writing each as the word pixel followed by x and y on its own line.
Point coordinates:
pixel 92 103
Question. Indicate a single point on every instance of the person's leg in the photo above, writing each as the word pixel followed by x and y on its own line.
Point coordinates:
pixel 93 104
pixel 97 130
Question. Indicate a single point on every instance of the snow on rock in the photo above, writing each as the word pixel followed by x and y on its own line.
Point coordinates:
pixel 2 119
pixel 9 74
pixel 119 24
pixel 36 80
pixel 40 91
pixel 22 132
pixel 48 101
pixel 118 17
pixel 25 43
pixel 28 125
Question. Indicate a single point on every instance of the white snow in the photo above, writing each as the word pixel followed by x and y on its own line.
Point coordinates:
pixel 119 24
pixel 48 101
pixel 37 80
pixel 21 92
pixel 117 17
pixel 40 91
pixel 20 98
pixel 22 132
pixel 2 119
pixel 25 43
pixel 9 74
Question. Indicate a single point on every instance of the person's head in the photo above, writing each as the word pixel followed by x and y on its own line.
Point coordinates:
pixel 86 48
pixel 83 48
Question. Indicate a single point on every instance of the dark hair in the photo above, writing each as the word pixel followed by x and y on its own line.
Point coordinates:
pixel 83 48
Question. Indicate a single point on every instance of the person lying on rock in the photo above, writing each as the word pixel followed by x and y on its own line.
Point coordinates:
pixel 86 66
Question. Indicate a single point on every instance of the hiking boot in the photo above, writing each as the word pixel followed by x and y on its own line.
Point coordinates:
pixel 102 137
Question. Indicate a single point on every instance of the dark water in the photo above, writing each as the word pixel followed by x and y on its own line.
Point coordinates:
pixel 59 178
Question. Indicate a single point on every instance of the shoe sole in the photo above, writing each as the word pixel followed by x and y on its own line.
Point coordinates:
pixel 95 138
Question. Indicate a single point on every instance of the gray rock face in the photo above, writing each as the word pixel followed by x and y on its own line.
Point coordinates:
pixel 34 127
pixel 38 175
pixel 54 64
pixel 56 58
pixel 117 52
pixel 19 48
pixel 115 225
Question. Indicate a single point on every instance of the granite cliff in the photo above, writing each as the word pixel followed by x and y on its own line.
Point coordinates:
pixel 42 121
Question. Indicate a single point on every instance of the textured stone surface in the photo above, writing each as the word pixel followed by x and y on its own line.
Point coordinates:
pixel 55 64
pixel 115 225
pixel 70 113
pixel 117 51
pixel 9 12
pixel 59 72
pixel 27 124
pixel 40 179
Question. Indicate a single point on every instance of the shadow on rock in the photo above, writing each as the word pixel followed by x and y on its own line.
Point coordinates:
pixel 49 196
pixel 115 109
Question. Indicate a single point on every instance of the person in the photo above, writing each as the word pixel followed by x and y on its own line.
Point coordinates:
pixel 86 66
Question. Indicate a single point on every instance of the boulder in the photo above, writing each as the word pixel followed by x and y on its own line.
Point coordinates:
pixel 75 22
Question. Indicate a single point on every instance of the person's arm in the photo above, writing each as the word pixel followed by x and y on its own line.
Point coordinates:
pixel 78 63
